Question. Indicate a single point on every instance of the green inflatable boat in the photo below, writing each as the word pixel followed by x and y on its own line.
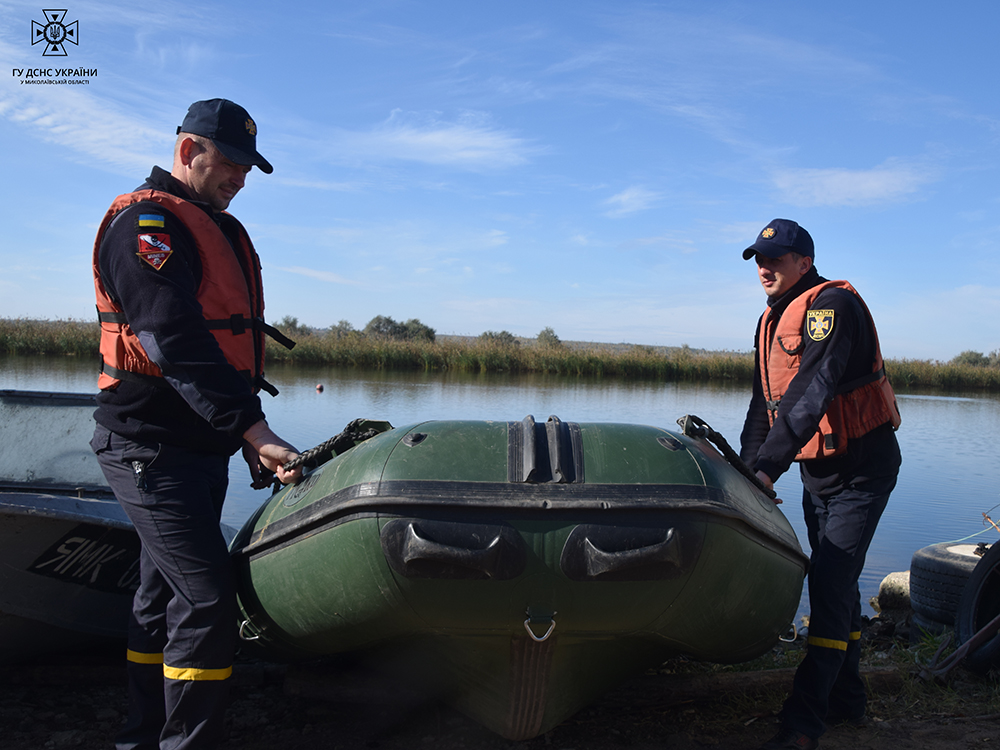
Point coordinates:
pixel 522 568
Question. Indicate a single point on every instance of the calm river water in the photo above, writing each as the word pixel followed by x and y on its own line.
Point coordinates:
pixel 949 478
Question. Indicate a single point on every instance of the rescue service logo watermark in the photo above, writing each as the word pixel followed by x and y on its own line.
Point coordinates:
pixel 54 35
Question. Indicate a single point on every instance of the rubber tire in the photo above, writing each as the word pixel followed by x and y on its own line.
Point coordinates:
pixel 938 574
pixel 979 604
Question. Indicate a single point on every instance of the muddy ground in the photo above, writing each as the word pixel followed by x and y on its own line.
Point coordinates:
pixel 79 702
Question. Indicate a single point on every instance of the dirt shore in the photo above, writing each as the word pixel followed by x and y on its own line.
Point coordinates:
pixel 80 703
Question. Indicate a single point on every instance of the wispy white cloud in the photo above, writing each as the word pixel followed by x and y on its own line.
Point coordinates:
pixel 312 273
pixel 496 237
pixel 715 75
pixel 471 141
pixel 891 181
pixel 313 184
pixel 684 244
pixel 515 90
pixel 741 231
pixel 93 129
pixel 630 200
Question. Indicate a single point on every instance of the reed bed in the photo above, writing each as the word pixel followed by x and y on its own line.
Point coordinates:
pixel 946 376
pixel 49 337
pixel 622 361
pixel 476 356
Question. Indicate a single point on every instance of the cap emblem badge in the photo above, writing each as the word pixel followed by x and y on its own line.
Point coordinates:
pixel 251 127
pixel 767 233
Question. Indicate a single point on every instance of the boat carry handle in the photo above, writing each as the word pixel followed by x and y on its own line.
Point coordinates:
pixel 601 561
pixel 485 560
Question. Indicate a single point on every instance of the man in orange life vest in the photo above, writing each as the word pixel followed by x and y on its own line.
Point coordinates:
pixel 821 398
pixel 180 301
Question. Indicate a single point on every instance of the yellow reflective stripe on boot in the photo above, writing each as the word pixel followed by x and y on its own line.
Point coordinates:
pixel 195 674
pixel 827 643
pixel 137 657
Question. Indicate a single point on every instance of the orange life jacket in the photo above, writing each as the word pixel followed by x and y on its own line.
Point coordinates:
pixel 858 407
pixel 231 301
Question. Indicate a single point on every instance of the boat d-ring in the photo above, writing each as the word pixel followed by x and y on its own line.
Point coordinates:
pixel 789 635
pixel 243 635
pixel 540 618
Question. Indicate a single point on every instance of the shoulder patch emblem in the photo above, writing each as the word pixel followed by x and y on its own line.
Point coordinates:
pixel 155 249
pixel 819 324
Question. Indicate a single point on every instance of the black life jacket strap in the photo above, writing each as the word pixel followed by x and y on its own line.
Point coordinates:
pixel 111 317
pixel 239 324
pixel 258 383
pixel 265 386
pixel 133 377
pixel 864 380
pixel 274 333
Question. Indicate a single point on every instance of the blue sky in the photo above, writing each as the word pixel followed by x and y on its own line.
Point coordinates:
pixel 593 167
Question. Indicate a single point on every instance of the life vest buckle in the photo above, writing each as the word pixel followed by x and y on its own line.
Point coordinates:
pixel 237 323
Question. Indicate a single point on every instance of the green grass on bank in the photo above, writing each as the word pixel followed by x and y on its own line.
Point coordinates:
pixel 624 361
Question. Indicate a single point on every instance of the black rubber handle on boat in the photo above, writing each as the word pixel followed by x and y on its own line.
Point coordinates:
pixel 600 561
pixel 354 433
pixel 416 547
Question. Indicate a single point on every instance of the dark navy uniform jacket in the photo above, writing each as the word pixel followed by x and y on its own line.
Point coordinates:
pixel 208 405
pixel 844 355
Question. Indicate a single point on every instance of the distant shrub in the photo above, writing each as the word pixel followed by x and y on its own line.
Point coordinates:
pixel 414 330
pixel 384 327
pixel 343 329
pixel 289 326
pixel 547 338
pixel 971 358
pixel 498 338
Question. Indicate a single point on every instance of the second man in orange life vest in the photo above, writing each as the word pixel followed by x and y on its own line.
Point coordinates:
pixel 821 398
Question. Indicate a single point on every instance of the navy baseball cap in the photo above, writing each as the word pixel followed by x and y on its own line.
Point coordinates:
pixel 231 129
pixel 779 237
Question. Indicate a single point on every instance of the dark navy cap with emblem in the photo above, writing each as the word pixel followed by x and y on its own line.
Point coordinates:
pixel 779 237
pixel 231 129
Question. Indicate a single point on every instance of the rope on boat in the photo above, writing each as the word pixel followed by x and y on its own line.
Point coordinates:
pixel 693 426
pixel 988 520
pixel 355 432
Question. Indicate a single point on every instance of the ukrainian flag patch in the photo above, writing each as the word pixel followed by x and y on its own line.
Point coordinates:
pixel 151 220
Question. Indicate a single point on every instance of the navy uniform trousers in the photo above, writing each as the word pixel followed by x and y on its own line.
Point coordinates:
pixel 182 631
pixel 827 682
